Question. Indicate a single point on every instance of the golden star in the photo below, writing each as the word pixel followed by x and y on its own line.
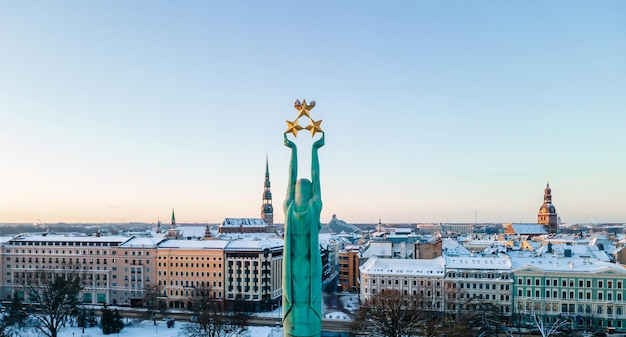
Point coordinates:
pixel 314 126
pixel 293 127
pixel 303 108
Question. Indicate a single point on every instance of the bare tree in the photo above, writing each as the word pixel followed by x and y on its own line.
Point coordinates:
pixel 393 314
pixel 238 316
pixel 547 329
pixel 456 319
pixel 390 314
pixel 151 301
pixel 57 294
pixel 211 318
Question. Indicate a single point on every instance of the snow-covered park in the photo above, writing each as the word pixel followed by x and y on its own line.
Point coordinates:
pixel 148 329
pixel 349 302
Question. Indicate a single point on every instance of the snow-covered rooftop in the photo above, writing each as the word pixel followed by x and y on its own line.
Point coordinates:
pixel 194 244
pixel 379 249
pixel 430 267
pixel 500 262
pixel 530 229
pixel 142 242
pixel 73 237
pixel 569 264
pixel 247 236
pixel 255 245
pixel 192 231
pixel 243 222
pixel 453 247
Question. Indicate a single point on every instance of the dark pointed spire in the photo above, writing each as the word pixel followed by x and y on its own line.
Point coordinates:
pixel 267 172
pixel 173 220
pixel 267 210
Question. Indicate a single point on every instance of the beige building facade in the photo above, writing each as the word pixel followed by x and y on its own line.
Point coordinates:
pixel 186 265
pixel 111 272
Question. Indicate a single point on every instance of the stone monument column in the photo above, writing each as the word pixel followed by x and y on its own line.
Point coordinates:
pixel 302 262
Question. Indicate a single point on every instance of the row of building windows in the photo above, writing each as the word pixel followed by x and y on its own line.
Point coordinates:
pixel 503 276
pixel 406 282
pixel 62 243
pixel 199 258
pixel 187 283
pixel 57 267
pixel 581 295
pixel 571 283
pixel 77 260
pixel 189 273
pixel 486 296
pixel 570 308
pixel 78 252
pixel 480 286
pixel 186 293
pixel 188 265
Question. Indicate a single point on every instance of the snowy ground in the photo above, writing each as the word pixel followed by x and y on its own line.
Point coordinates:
pixel 147 329
pixel 349 302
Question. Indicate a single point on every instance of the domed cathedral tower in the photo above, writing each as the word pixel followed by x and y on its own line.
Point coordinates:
pixel 267 210
pixel 547 213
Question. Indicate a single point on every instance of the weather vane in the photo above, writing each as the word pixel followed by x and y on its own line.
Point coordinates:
pixel 304 110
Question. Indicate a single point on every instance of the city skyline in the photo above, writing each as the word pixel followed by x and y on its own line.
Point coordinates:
pixel 120 112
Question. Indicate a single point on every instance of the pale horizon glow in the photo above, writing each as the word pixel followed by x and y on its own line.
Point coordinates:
pixel 433 112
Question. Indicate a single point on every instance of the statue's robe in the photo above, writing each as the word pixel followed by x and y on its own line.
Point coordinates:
pixel 302 279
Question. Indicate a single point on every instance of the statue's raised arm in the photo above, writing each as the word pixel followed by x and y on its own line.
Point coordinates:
pixel 293 171
pixel 315 170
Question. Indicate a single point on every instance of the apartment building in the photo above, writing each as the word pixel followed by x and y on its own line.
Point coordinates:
pixel 253 273
pixel 473 280
pixel 586 291
pixel 118 270
pixel 186 265
pixel 349 258
pixel 94 258
pixel 421 278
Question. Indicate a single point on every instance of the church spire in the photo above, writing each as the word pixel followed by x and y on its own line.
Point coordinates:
pixel 173 220
pixel 547 194
pixel 267 210
pixel 547 212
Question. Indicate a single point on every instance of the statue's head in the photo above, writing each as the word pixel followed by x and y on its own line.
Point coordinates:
pixel 304 190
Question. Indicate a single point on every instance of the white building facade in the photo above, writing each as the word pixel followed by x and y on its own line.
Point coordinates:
pixel 421 278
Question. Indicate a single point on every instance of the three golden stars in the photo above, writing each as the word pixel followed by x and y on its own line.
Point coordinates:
pixel 304 110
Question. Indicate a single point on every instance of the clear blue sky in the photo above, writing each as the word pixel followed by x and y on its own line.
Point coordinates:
pixel 433 111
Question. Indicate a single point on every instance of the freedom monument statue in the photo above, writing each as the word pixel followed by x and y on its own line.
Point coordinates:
pixel 302 263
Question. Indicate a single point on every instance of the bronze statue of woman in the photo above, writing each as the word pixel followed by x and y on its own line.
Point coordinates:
pixel 302 262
